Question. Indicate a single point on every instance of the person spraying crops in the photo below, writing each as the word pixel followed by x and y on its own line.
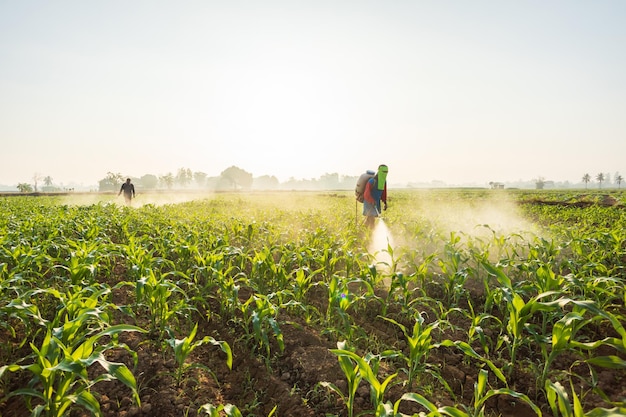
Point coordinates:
pixel 129 191
pixel 375 192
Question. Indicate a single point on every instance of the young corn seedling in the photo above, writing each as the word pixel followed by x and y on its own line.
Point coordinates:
pixel 420 342
pixel 59 372
pixel 562 406
pixel 453 271
pixel 476 331
pixel 228 409
pixel 260 321
pixel 301 283
pixel 520 313
pixel 353 378
pixel 471 353
pixel 155 291
pixel 358 368
pixel 183 347
pixel 565 330
pixel 476 409
pixel 482 395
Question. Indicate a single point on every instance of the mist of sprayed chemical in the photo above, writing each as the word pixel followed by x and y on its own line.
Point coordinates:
pixel 476 218
pixel 141 199
pixel 380 242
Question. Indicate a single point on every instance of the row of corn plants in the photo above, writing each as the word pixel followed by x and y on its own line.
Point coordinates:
pixel 511 301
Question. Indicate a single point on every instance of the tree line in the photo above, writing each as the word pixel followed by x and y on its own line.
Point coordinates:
pixel 601 177
pixel 232 178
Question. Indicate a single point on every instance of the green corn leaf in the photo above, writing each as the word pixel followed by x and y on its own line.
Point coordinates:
pixel 210 410
pixel 225 348
pixel 611 361
pixel 29 392
pixel 452 412
pixel 607 412
pixel 481 385
pixel 511 393
pixel 498 273
pixel 558 399
pixel 232 411
pixel 333 388
pixel 467 350
pixel 416 398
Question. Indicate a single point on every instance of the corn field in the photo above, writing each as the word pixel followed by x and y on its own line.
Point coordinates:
pixel 459 303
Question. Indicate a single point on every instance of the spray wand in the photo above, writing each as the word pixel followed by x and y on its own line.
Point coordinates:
pixel 378 214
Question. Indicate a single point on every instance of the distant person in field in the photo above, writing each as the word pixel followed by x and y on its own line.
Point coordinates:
pixel 129 191
pixel 375 192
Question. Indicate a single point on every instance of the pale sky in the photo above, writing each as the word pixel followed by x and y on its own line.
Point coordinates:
pixel 457 91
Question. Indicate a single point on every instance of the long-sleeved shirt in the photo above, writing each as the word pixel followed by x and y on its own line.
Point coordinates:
pixel 373 195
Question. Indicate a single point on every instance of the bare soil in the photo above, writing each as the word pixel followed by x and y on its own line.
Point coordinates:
pixel 290 384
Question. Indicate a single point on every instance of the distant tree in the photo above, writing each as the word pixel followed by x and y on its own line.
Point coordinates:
pixel 213 183
pixel 237 177
pixel 167 180
pixel 540 183
pixel 47 181
pixel 329 181
pixel 111 182
pixel 618 179
pixel 24 187
pixel 348 182
pixel 184 177
pixel 265 182
pixel 586 179
pixel 200 178
pixel 36 178
pixel 600 178
pixel 149 181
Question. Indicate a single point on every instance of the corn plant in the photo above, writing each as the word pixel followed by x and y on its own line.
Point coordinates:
pixel 301 283
pixel 419 342
pixel 454 271
pixel 183 347
pixel 260 322
pixel 520 312
pixel 476 329
pixel 562 405
pixel 471 353
pixel 59 371
pixel 84 260
pixel 369 367
pixel 155 291
pixel 341 299
pixel 229 409
pixel 476 409
pixel 353 377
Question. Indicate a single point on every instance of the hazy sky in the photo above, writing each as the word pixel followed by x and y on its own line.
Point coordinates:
pixel 458 91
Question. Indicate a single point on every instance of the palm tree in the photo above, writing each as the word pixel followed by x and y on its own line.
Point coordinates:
pixel 618 180
pixel 600 178
pixel 586 179
pixel 24 187
pixel 47 181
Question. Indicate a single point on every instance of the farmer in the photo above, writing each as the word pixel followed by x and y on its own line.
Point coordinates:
pixel 129 191
pixel 375 192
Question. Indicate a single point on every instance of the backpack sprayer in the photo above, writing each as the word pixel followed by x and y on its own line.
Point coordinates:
pixel 359 190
